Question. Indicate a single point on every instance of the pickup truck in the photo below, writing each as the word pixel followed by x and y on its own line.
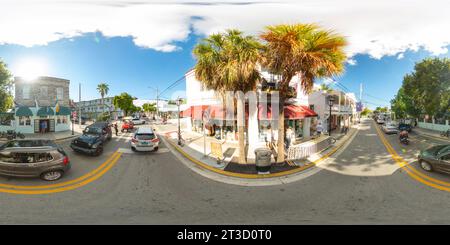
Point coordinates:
pixel 93 139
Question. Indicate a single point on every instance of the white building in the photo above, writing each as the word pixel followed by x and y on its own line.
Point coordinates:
pixel 41 105
pixel 259 130
pixel 91 109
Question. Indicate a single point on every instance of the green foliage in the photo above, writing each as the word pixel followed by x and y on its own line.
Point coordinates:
pixel 425 91
pixel 149 107
pixel 124 101
pixel 366 112
pixel 105 116
pixel 6 99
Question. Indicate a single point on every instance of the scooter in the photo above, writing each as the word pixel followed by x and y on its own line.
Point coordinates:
pixel 404 140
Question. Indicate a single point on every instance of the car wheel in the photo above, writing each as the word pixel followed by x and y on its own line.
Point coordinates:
pixel 426 166
pixel 155 149
pixel 52 175
pixel 99 150
pixel 133 149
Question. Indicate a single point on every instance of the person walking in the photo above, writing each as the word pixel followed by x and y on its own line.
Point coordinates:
pixel 289 137
pixel 116 129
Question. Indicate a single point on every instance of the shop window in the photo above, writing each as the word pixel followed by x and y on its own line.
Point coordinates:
pixel 24 121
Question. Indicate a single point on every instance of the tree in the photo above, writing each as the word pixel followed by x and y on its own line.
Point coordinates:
pixel 425 91
pixel 303 49
pixel 124 101
pixel 103 89
pixel 6 99
pixel 366 112
pixel 229 62
pixel 149 107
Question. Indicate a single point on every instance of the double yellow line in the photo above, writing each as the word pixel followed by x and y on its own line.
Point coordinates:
pixel 411 171
pixel 64 186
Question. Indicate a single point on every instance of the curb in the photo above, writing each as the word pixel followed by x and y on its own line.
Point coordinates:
pixel 433 136
pixel 259 176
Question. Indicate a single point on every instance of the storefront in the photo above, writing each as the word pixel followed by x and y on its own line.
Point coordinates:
pixel 44 119
pixel 300 118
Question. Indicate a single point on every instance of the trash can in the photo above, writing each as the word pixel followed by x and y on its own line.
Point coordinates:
pixel 262 159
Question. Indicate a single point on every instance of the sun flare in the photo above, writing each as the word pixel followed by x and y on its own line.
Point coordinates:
pixel 31 68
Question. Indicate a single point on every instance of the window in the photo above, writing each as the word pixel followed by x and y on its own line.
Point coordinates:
pixel 446 157
pixel 26 91
pixel 24 121
pixel 44 91
pixel 59 93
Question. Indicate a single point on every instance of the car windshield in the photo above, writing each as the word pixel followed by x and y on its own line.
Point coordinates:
pixel 145 136
pixel 93 130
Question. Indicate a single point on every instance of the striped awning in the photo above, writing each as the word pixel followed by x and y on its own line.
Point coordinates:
pixel 24 111
pixel 45 111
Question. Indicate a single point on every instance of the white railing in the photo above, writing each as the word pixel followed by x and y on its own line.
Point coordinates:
pixel 309 148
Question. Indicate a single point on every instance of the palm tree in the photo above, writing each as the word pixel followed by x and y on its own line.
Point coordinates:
pixel 303 49
pixel 103 89
pixel 228 62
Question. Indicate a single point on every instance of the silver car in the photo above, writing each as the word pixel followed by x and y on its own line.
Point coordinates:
pixel 33 158
pixel 144 139
pixel 390 128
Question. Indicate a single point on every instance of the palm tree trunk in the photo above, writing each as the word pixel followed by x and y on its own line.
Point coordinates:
pixel 280 144
pixel 241 125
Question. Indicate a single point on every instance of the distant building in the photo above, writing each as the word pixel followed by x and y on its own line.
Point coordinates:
pixel 91 109
pixel 41 105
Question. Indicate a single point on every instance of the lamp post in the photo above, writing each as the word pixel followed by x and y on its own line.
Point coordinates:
pixel 330 103
pixel 179 128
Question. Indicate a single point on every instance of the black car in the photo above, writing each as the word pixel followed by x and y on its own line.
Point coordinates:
pixel 93 139
pixel 404 126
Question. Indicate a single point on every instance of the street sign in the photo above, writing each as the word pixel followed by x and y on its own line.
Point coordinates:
pixel 74 114
pixel 359 106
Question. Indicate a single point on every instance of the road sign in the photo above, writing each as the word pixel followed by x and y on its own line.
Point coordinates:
pixel 74 114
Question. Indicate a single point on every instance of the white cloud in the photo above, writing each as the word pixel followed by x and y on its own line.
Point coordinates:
pixel 377 28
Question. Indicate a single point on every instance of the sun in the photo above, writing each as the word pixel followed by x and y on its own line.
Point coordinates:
pixel 31 68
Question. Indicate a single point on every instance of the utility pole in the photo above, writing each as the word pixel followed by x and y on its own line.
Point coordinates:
pixel 79 102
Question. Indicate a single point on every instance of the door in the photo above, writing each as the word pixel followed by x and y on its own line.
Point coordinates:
pixel 37 125
pixel 444 162
pixel 51 124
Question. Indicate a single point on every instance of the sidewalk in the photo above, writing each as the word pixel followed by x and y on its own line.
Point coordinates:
pixel 193 150
pixel 56 136
pixel 430 133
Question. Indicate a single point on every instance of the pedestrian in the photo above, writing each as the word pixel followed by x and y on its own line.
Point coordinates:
pixel 288 137
pixel 43 126
pixel 116 129
pixel 319 128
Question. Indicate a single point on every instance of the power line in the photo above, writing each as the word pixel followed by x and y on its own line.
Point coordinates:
pixel 173 85
pixel 384 100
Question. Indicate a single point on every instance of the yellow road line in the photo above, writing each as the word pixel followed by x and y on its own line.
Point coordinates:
pixel 66 188
pixel 258 176
pixel 410 170
pixel 87 175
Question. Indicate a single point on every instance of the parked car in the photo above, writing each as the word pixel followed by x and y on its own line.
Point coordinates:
pixel 404 126
pixel 138 121
pixel 93 139
pixel 380 120
pixel 127 125
pixel 144 139
pixel 33 158
pixel 436 158
pixel 390 128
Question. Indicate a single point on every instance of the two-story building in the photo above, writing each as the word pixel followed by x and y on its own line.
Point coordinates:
pixel 41 105
pixel 91 109
pixel 260 125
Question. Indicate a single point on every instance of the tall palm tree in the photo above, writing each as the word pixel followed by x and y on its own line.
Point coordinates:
pixel 228 62
pixel 303 49
pixel 103 89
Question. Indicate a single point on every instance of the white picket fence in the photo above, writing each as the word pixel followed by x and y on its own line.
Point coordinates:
pixel 309 148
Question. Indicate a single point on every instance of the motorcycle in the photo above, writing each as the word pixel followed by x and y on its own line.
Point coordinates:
pixel 11 135
pixel 404 140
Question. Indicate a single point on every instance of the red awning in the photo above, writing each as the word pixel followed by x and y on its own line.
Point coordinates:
pixel 218 112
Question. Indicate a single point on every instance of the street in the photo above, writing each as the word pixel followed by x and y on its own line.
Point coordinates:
pixel 156 188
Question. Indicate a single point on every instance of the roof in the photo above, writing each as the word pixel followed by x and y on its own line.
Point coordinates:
pixel 144 131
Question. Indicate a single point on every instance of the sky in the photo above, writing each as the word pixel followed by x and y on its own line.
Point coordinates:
pixel 135 45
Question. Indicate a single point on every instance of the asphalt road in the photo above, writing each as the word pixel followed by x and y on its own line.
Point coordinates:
pixel 155 188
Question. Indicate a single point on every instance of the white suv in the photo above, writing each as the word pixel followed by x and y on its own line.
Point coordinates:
pixel 138 121
pixel 144 139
